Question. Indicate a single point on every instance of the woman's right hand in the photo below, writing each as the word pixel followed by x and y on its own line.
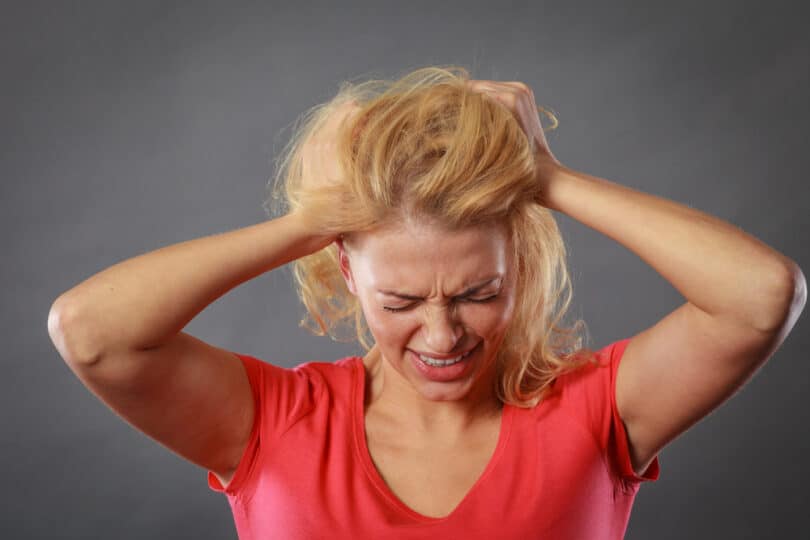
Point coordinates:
pixel 321 170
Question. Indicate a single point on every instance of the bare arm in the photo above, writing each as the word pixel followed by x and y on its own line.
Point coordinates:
pixel 742 299
pixel 742 296
pixel 144 301
pixel 119 332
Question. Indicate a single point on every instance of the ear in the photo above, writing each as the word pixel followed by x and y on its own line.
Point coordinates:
pixel 345 268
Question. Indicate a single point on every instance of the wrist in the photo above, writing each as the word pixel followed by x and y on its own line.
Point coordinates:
pixel 308 230
pixel 552 175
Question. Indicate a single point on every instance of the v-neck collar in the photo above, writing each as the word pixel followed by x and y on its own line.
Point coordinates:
pixel 364 456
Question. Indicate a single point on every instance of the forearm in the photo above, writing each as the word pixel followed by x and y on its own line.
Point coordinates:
pixel 143 301
pixel 715 265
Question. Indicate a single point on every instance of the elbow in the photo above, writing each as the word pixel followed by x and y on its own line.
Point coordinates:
pixel 799 291
pixel 69 335
pixel 789 296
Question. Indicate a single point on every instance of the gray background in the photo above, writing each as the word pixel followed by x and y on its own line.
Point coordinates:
pixel 127 126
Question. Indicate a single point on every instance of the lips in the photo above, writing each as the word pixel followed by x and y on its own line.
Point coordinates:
pixel 450 371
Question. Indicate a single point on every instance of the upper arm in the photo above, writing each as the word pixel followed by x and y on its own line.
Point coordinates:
pixel 190 396
pixel 677 371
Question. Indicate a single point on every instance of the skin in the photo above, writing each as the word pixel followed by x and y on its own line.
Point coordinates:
pixel 438 266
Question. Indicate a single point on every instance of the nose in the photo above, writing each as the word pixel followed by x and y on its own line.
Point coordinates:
pixel 441 329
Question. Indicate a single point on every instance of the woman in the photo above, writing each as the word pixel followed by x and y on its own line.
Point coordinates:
pixel 418 211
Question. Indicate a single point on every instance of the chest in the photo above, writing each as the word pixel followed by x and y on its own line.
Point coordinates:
pixel 430 477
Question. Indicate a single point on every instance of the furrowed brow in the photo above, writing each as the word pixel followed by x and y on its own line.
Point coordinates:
pixel 470 290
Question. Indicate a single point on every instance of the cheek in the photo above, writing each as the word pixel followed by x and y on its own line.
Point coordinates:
pixel 507 310
pixel 492 319
pixel 493 327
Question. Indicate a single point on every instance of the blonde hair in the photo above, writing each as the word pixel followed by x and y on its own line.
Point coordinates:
pixel 426 146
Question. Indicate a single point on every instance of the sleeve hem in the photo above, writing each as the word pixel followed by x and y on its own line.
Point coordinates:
pixel 623 461
pixel 248 458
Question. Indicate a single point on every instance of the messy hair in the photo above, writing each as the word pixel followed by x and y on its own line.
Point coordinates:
pixel 426 146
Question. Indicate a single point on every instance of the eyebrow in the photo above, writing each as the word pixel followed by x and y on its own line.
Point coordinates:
pixel 470 290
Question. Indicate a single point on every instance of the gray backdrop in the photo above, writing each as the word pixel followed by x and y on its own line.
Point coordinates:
pixel 127 126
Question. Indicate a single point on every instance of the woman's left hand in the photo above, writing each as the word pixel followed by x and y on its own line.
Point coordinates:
pixel 518 98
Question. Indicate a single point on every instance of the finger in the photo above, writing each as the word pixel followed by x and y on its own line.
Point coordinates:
pixel 523 87
pixel 490 93
pixel 483 87
pixel 482 84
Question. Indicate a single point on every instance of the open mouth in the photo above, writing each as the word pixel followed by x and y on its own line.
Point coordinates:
pixel 446 370
pixel 432 362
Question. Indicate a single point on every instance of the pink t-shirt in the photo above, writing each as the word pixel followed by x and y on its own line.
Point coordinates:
pixel 560 470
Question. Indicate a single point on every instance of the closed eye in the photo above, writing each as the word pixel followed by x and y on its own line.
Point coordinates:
pixel 474 300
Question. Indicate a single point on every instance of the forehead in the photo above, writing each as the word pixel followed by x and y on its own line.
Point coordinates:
pixel 420 255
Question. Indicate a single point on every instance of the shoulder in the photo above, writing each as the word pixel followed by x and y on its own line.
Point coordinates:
pixel 311 368
pixel 587 390
pixel 337 373
pixel 310 378
pixel 343 368
pixel 600 371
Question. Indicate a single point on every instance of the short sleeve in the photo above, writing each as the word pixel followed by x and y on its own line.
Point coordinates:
pixel 618 450
pixel 281 397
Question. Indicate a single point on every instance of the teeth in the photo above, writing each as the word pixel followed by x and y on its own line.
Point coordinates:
pixel 442 363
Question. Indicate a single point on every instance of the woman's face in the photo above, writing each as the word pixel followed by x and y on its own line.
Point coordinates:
pixel 448 296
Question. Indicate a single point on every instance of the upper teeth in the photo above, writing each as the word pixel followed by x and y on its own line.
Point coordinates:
pixel 439 363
